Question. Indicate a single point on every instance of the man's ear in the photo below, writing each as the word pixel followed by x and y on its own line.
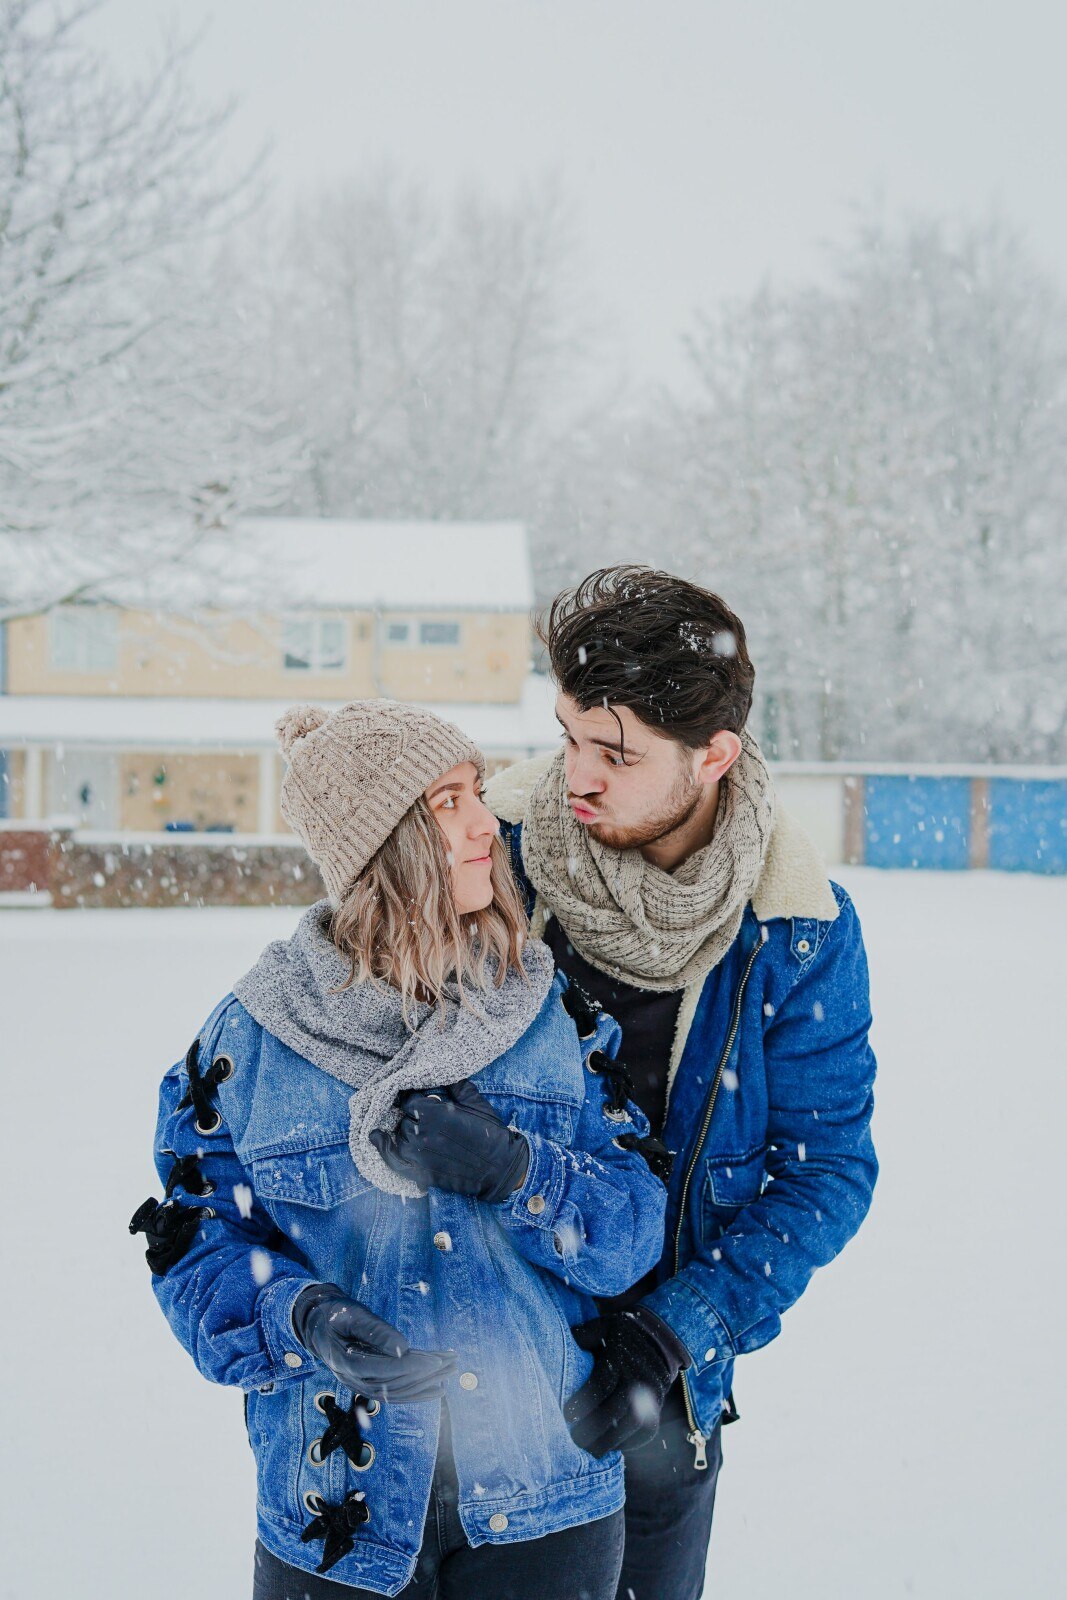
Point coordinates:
pixel 718 757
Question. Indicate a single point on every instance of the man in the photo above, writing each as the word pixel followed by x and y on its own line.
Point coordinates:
pixel 676 892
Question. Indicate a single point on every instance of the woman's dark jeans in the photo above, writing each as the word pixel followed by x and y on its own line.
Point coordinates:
pixel 581 1563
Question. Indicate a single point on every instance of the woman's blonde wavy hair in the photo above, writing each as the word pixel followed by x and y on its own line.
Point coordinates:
pixel 398 923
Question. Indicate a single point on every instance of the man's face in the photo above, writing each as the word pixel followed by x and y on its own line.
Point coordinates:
pixel 627 784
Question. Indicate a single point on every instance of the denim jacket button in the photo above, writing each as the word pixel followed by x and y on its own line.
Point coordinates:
pixel 443 1240
pixel 498 1522
pixel 803 946
pixel 536 1204
pixel 468 1380
pixel 292 1359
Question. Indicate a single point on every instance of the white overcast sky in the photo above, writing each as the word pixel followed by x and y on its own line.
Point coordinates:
pixel 707 143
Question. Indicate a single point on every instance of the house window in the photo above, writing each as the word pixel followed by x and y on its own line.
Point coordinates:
pixel 439 633
pixel 314 644
pixel 84 639
pixel 398 633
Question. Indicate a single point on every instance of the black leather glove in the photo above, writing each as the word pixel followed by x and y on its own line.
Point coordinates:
pixel 368 1355
pixel 636 1359
pixel 453 1139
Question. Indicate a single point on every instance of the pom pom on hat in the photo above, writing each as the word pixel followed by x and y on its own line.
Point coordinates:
pixel 295 723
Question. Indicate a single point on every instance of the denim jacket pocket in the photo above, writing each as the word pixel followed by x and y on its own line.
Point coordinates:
pixel 322 1178
pixel 320 1200
pixel 730 1184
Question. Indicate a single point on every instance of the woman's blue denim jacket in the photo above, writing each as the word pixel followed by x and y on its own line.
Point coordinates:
pixel 502 1285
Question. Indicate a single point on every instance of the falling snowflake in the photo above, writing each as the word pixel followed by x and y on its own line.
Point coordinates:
pixel 262 1266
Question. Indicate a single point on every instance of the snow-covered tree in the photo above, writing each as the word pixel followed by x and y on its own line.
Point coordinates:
pixel 433 353
pixel 874 472
pixel 125 430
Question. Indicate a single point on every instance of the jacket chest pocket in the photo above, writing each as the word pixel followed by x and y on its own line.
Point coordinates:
pixel 321 1201
pixel 320 1178
pixel 730 1184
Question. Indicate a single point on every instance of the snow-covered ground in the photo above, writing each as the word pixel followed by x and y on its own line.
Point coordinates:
pixel 904 1436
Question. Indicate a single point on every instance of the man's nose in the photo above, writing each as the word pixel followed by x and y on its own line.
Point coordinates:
pixel 583 776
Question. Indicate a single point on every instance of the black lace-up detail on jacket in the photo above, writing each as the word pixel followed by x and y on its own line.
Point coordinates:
pixel 582 1009
pixel 202 1086
pixel 335 1525
pixel 616 1077
pixel 343 1432
pixel 171 1229
pixel 659 1159
pixel 186 1172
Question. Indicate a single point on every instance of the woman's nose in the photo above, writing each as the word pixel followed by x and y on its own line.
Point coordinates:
pixel 483 824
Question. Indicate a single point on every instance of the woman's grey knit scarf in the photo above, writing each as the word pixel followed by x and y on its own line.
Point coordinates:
pixel 630 919
pixel 359 1034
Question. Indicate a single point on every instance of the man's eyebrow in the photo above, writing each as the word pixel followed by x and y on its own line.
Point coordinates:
pixel 606 744
pixel 445 788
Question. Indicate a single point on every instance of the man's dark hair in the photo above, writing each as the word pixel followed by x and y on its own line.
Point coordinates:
pixel 671 651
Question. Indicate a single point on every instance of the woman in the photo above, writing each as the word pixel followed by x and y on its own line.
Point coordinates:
pixel 415 1190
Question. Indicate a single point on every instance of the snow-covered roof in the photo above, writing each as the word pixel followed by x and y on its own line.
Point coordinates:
pixel 128 722
pixel 266 563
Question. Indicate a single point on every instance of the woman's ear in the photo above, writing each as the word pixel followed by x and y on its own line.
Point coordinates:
pixel 718 757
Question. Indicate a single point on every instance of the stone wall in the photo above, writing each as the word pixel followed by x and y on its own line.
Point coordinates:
pixel 26 857
pixel 93 869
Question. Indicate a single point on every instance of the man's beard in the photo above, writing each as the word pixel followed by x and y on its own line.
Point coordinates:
pixel 680 805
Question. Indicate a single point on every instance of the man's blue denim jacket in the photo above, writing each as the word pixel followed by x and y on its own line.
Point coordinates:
pixel 502 1285
pixel 768 1113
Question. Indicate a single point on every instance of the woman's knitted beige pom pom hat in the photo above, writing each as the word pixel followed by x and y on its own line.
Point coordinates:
pixel 354 772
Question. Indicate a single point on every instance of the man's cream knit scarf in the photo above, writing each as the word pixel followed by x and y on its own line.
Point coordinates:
pixel 639 924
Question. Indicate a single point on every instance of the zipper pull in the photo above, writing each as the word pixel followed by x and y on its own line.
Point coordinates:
pixel 700 1446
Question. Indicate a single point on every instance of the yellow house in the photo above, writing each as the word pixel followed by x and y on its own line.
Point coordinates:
pixel 155 709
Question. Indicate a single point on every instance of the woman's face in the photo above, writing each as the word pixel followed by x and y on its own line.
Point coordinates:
pixel 469 828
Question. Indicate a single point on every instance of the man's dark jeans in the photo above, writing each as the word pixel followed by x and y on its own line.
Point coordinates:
pixel 669 1507
pixel 581 1563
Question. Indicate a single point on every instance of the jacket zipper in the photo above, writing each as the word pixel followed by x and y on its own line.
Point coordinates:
pixel 699 1440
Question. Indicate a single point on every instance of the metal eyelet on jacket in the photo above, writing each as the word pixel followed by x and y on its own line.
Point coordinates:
pixel 323 1394
pixel 617 1081
pixel 208 1119
pixel 366 1458
pixel 371 1407
pixel 313 1502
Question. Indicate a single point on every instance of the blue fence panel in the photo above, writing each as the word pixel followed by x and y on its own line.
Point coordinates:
pixel 1028 825
pixel 918 822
